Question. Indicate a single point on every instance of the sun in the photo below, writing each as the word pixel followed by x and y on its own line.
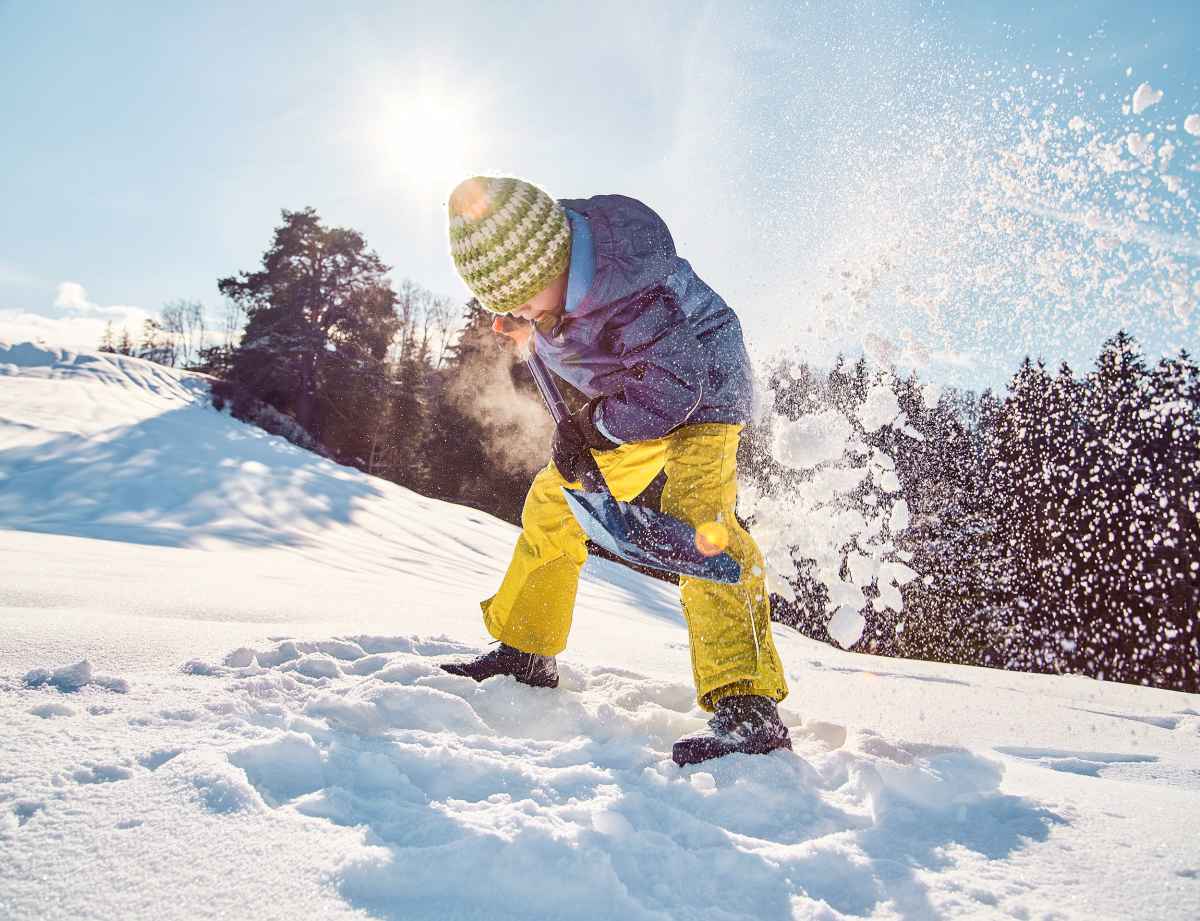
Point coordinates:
pixel 426 134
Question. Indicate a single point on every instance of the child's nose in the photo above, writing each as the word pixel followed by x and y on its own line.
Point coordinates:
pixel 504 324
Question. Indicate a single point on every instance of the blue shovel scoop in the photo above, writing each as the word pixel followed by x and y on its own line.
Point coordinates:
pixel 634 533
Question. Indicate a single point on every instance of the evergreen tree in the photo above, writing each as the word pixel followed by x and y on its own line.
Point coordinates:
pixel 320 317
pixel 1173 562
pixel 950 536
pixel 124 345
pixel 1096 484
pixel 107 341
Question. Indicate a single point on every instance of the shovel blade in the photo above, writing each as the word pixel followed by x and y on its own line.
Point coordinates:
pixel 647 537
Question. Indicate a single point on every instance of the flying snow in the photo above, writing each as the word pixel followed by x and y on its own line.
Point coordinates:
pixel 1144 97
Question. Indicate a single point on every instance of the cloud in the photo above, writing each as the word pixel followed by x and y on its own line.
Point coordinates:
pixel 78 333
pixel 73 296
pixel 80 323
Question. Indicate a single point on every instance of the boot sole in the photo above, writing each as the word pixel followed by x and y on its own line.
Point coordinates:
pixel 680 752
pixel 451 670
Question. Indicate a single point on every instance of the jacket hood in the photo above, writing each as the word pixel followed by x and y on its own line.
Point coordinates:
pixel 633 248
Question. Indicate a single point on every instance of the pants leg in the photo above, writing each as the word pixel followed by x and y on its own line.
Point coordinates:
pixel 532 609
pixel 729 626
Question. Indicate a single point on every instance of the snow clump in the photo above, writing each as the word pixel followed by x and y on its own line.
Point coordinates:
pixel 1191 124
pixel 880 407
pixel 846 626
pixel 1137 144
pixel 811 440
pixel 1145 97
pixel 73 678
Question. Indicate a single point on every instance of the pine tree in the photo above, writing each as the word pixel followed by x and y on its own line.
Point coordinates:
pixel 1174 557
pixel 320 317
pixel 1096 483
pixel 124 345
pixel 107 342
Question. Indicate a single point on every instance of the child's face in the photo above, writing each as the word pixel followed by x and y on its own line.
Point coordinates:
pixel 544 309
pixel 546 305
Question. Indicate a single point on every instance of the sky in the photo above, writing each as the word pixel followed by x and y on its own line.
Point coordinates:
pixel 895 177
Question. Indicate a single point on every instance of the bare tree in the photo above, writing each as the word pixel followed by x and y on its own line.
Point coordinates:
pixel 195 332
pixel 427 325
pixel 410 299
pixel 235 321
pixel 445 320
pixel 184 324
pixel 156 346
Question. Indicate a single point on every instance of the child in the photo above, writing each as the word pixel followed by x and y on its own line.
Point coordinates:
pixel 619 315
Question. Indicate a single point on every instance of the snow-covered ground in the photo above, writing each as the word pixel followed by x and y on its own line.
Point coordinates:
pixel 261 730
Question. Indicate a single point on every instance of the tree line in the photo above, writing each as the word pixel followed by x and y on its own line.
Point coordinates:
pixel 318 345
pixel 1055 527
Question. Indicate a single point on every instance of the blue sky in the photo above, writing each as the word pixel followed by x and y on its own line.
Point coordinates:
pixel 150 147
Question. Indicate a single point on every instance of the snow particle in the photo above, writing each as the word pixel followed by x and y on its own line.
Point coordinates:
pixel 879 409
pixel 1145 97
pixel 811 440
pixel 846 626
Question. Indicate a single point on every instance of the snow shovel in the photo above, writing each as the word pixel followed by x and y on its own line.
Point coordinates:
pixel 634 533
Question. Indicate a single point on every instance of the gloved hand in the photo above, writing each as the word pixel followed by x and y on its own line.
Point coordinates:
pixel 572 439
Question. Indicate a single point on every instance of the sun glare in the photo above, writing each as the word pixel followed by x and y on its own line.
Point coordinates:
pixel 427 136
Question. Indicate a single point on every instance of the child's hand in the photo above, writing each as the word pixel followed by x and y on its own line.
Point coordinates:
pixel 518 331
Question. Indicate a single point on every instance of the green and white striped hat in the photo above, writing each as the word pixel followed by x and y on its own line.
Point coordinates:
pixel 509 239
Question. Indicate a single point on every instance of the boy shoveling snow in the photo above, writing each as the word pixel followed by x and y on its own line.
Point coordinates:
pixel 615 312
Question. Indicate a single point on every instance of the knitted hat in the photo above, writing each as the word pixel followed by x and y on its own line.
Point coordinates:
pixel 509 239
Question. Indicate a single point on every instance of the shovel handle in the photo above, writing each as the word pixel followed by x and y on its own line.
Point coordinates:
pixel 593 479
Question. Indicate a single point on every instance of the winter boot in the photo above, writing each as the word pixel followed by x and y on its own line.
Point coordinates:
pixel 527 667
pixel 745 723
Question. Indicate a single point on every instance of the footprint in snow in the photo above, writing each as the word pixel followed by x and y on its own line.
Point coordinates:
pixel 498 776
pixel 26 809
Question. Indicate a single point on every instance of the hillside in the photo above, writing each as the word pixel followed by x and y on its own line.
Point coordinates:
pixel 219 696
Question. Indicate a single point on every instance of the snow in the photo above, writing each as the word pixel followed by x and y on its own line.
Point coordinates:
pixel 1191 124
pixel 74 677
pixel 1144 97
pixel 286 745
pixel 847 625
pixel 1137 143
pixel 812 439
pixel 931 393
pixel 880 408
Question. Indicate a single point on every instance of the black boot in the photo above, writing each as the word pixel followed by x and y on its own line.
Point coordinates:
pixel 527 667
pixel 744 723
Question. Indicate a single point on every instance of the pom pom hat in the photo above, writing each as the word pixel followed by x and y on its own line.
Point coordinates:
pixel 508 238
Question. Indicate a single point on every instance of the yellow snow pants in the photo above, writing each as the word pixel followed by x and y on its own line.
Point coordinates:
pixel 728 625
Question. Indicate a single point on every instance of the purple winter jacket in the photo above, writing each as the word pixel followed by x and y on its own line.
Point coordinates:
pixel 658 344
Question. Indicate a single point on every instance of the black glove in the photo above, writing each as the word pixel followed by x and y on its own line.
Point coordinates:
pixel 572 439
